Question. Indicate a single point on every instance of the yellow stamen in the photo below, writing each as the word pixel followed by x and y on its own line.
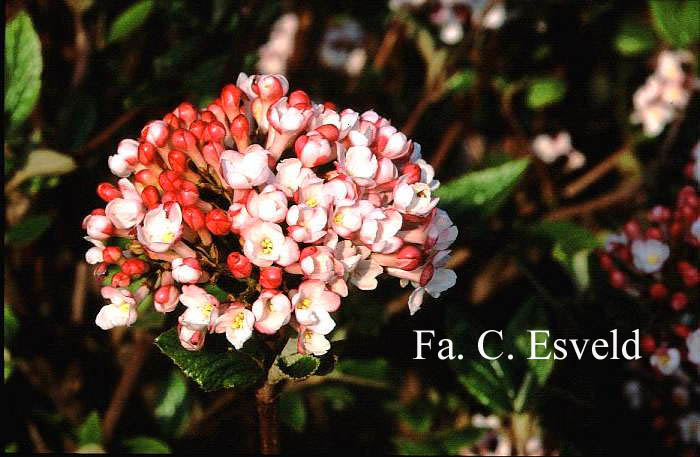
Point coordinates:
pixel 311 202
pixel 124 308
pixel 238 321
pixel 168 237
pixel 206 309
pixel 305 303
pixel 266 246
pixel 338 218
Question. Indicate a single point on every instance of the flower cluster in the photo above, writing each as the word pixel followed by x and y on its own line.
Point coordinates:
pixel 280 203
pixel 550 148
pixel 274 54
pixel 659 264
pixel 342 47
pixel 665 92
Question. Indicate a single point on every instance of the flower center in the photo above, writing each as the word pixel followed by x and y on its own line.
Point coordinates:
pixel 311 202
pixel 266 246
pixel 305 303
pixel 238 321
pixel 338 218
pixel 124 308
pixel 652 259
pixel 664 359
pixel 168 237
pixel 206 309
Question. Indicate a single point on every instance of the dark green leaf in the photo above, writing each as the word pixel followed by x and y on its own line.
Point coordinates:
pixel 634 39
pixel 293 366
pixel 366 368
pixel 339 397
pixel 145 445
pixel 90 431
pixel 545 91
pixel 405 446
pixel 130 20
pixel 531 316
pixel 10 325
pixel 484 190
pixel 211 367
pixel 23 65
pixel 459 439
pixel 676 21
pixel 28 230
pixel 292 410
pixel 217 292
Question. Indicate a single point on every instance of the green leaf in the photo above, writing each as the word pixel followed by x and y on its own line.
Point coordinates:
pixel 90 431
pixel 486 387
pixel 531 316
pixel 676 22
pixel 171 410
pixel 7 366
pixel 23 65
pixel 366 368
pixel 212 367
pixel 145 445
pixel 339 397
pixel 483 191
pixel 10 325
pixel 634 39
pixel 28 230
pixel 461 82
pixel 572 245
pixel 458 439
pixel 545 91
pixel 217 292
pixel 130 20
pixel 293 366
pixel 292 410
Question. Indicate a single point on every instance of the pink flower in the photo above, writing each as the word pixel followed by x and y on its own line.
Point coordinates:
pixel 392 143
pixel 201 307
pixel 237 322
pixel 121 310
pixel 348 215
pixel 433 278
pixel 166 298
pixel 94 254
pixel 272 310
pixel 313 149
pixel 270 205
pixel 414 199
pixel 123 163
pixel 265 243
pixel 359 163
pixel 312 305
pixel 314 192
pixel 190 338
pixel 307 224
pixel 244 171
pixel 359 269
pixel 98 226
pixel 315 343
pixel 240 218
pixel 379 230
pixel 186 271
pixel 125 213
pixel 288 119
pixel 666 360
pixel 318 262
pixel 161 228
pixel 290 174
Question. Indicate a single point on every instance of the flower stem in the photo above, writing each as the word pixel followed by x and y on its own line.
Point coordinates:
pixel 268 425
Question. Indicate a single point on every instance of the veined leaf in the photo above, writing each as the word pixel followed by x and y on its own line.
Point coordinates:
pixel 130 20
pixel 23 65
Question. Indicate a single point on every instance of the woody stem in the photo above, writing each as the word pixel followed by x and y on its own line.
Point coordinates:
pixel 268 424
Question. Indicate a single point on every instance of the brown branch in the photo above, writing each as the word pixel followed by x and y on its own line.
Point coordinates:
pixel 417 113
pixel 595 173
pixel 448 139
pixel 81 279
pixel 266 402
pixel 391 37
pixel 221 403
pixel 36 439
pixel 110 130
pixel 624 191
pixel 143 342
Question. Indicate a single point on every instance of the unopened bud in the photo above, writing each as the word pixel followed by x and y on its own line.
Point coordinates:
pixel 218 222
pixel 271 277
pixel 108 192
pixel 239 265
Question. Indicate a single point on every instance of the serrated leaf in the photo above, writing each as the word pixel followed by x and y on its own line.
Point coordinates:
pixel 145 445
pixel 676 22
pixel 634 39
pixel 292 410
pixel 213 367
pixel 544 92
pixel 293 366
pixel 28 230
pixel 483 191
pixel 130 20
pixel 90 431
pixel 23 66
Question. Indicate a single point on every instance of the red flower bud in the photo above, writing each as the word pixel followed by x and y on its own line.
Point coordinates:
pixel 108 192
pixel 271 277
pixel 150 197
pixel 168 197
pixel 98 212
pixel 658 291
pixel 207 116
pixel 218 222
pixel 183 139
pixel 111 254
pixel 188 193
pixel 617 279
pixel 330 105
pixel 240 126
pixel 194 217
pixel 147 153
pixel 135 267
pixel 691 277
pixel 605 261
pixel 197 128
pixel 648 344
pixel 171 120
pixel 329 132
pixel 120 279
pixel 212 153
pixel 239 265
pixel 146 177
pixel 186 112
pixel 632 230
pixel 215 132
pixel 177 160
pixel 299 99
pixel 427 274
pixel 681 330
pixel 165 298
pixel 170 180
pixel 412 171
pixel 659 214
pixel 679 301
pixel 411 255
pixel 654 233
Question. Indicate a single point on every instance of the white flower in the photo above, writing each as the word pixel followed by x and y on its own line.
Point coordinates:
pixel 649 255
pixel 237 322
pixel 244 171
pixel 690 428
pixel 121 310
pixel 160 228
pixel 695 229
pixel 693 342
pixel 414 198
pixel 122 163
pixel 125 213
pixel 666 361
pixel 315 343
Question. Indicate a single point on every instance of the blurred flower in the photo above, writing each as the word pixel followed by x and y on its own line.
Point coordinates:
pixel 666 360
pixel 693 342
pixel 274 54
pixel 649 255
pixel 342 47
pixel 633 392
pixel 689 426
pixel 550 148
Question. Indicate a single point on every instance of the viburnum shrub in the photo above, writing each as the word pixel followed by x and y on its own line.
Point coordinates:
pixel 256 216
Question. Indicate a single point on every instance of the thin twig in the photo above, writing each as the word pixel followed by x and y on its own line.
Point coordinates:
pixel 221 403
pixel 595 173
pixel 417 113
pixel 143 342
pixel 81 279
pixel 110 130
pixel 391 37
pixel 623 192
pixel 448 139
pixel 37 441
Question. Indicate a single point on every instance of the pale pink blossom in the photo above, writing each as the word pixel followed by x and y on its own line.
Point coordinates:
pixel 290 175
pixel 123 163
pixel 190 338
pixel 415 199
pixel 202 307
pixel 240 218
pixel 186 271
pixel 359 163
pixel 161 228
pixel 272 310
pixel 348 215
pixel 237 322
pixel 244 171
pixel 318 262
pixel 307 224
pixel 120 311
pixel 313 149
pixel 98 226
pixel 94 254
pixel 287 119
pixel 379 230
pixel 666 360
pixel 128 211
pixel 314 192
pixel 270 205
pixel 313 342
pixel 312 305
pixel 264 244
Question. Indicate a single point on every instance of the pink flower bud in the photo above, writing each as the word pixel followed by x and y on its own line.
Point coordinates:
pixel 239 265
pixel 166 298
pixel 218 222
pixel 150 197
pixel 135 267
pixel 112 254
pixel 157 133
pixel 271 277
pixel 186 271
pixel 108 192
pixel 194 217
pixel 192 340
pixel 314 150
pixel 186 112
